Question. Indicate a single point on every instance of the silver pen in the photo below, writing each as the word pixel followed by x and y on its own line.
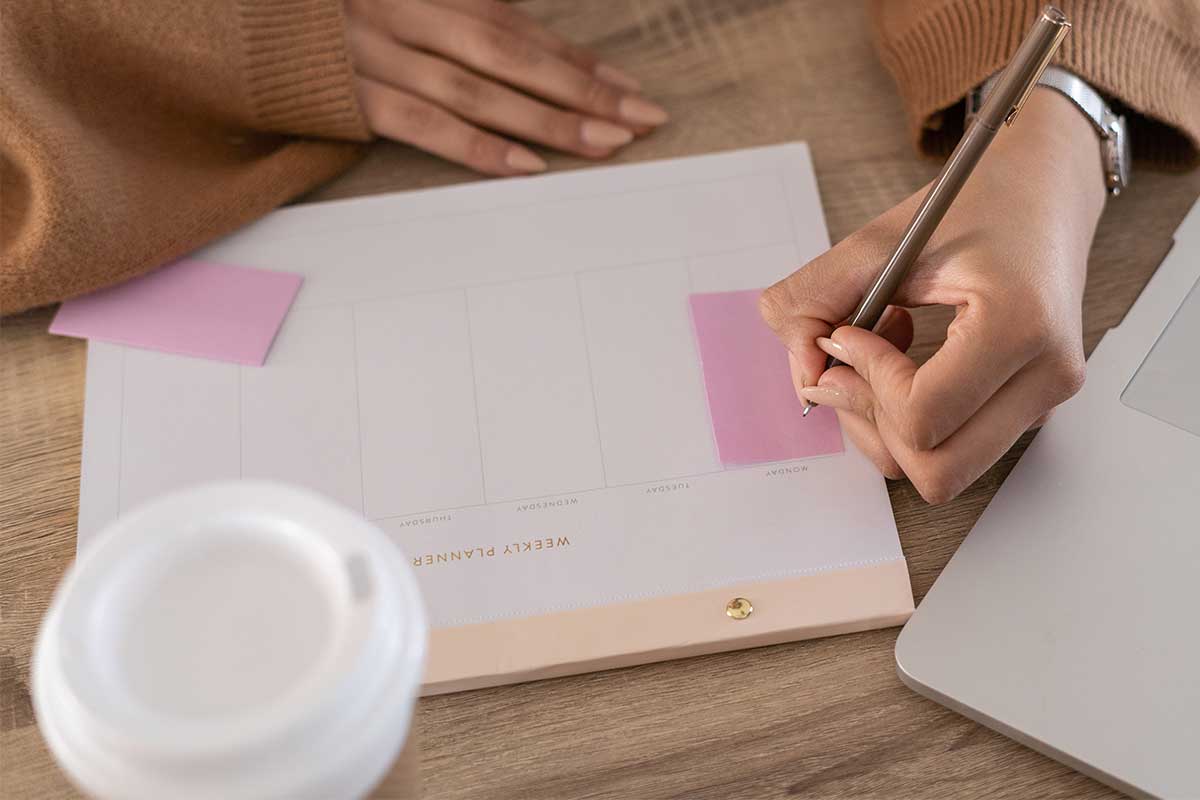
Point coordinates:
pixel 1000 108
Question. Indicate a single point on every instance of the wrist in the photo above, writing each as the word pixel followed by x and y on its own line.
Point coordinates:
pixel 1050 163
pixel 1060 151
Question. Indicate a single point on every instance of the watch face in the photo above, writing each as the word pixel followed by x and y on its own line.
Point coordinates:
pixel 1119 159
pixel 1126 156
pixel 1115 146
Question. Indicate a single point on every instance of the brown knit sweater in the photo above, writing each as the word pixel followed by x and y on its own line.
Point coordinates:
pixel 133 132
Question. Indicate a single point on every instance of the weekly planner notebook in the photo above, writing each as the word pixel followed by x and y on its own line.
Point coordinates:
pixel 555 395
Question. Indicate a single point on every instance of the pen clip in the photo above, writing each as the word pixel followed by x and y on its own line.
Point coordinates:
pixel 1063 27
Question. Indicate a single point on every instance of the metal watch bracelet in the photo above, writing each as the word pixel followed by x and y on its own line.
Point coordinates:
pixel 1110 126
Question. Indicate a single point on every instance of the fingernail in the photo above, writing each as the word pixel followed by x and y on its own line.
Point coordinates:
pixel 598 133
pixel 524 160
pixel 820 395
pixel 641 111
pixel 617 77
pixel 830 346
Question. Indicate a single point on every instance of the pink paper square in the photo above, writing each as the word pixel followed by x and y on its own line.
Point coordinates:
pixel 756 416
pixel 192 308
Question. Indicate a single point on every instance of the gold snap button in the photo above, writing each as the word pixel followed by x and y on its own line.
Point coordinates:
pixel 739 608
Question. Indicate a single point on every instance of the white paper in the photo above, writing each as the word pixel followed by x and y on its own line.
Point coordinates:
pixel 503 376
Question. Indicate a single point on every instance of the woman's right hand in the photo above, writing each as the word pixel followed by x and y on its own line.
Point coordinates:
pixel 451 76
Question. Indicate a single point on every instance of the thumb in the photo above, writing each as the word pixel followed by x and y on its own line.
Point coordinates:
pixel 814 299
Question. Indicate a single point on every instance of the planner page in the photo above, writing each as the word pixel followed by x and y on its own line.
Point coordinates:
pixel 505 377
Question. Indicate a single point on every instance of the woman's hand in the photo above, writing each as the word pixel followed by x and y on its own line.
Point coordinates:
pixel 1011 256
pixel 441 75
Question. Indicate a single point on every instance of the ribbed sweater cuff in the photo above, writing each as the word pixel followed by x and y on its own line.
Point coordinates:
pixel 937 55
pixel 298 74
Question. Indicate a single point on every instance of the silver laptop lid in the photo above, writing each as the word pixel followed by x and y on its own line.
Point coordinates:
pixel 1068 617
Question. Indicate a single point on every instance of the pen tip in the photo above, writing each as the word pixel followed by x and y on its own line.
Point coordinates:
pixel 807 408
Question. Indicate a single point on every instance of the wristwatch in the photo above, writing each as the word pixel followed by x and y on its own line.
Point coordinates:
pixel 1114 135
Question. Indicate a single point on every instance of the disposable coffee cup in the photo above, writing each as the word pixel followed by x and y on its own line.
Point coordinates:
pixel 236 640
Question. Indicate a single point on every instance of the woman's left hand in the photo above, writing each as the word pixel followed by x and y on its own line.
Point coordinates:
pixel 454 77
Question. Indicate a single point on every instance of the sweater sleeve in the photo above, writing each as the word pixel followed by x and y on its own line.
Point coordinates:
pixel 132 133
pixel 1143 54
pixel 264 65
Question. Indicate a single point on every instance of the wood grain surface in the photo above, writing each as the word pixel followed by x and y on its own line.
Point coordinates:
pixel 825 718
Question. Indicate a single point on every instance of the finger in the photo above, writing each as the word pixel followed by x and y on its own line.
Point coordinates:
pixel 505 16
pixel 844 389
pixel 804 358
pixel 506 55
pixel 405 118
pixel 979 356
pixel 866 438
pixel 477 99
pixel 985 346
pixel 942 473
pixel 895 325
pixel 849 395
pixel 879 363
pixel 860 431
pixel 797 375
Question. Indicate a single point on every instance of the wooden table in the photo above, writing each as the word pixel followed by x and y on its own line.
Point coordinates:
pixel 825 718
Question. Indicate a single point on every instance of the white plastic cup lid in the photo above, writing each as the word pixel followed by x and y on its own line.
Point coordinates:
pixel 236 640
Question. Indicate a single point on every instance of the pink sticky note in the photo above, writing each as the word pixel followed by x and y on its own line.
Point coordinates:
pixel 756 416
pixel 193 308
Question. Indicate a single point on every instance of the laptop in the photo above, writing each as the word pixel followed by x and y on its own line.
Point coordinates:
pixel 1069 619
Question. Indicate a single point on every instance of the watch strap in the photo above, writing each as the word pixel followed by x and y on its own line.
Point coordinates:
pixel 1108 125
